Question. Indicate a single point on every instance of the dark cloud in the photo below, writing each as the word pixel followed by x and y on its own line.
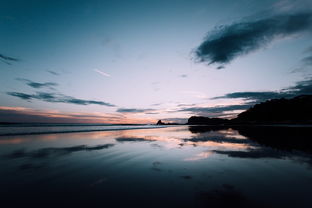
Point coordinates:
pixel 300 88
pixel 228 42
pixel 38 84
pixel 216 109
pixel 7 115
pixel 133 110
pixel 306 62
pixel 57 98
pixel 8 59
pixel 183 75
pixel 53 152
pixel 257 96
pixel 23 115
pixel 23 96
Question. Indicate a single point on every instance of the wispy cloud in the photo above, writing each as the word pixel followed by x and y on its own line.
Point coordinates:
pixel 215 109
pixel 134 110
pixel 57 98
pixel 247 100
pixel 306 61
pixel 37 84
pixel 102 73
pixel 21 114
pixel 256 96
pixel 53 73
pixel 300 88
pixel 8 59
pixel 227 42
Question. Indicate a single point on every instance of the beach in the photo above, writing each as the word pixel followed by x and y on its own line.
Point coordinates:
pixel 172 166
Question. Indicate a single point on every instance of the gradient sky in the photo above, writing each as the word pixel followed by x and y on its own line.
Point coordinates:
pixel 140 61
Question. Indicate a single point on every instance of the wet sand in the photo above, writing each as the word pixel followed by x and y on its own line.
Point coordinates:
pixel 178 166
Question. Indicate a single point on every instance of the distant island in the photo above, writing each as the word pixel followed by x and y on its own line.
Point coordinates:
pixel 297 110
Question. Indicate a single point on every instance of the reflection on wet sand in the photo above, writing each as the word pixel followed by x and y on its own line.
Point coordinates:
pixel 53 152
pixel 199 156
pixel 202 166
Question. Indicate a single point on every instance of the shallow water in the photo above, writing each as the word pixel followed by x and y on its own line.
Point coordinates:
pixel 38 128
pixel 180 166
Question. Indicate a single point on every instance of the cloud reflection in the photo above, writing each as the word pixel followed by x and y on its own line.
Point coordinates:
pixel 54 152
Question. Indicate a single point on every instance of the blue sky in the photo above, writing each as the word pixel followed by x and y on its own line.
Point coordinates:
pixel 139 61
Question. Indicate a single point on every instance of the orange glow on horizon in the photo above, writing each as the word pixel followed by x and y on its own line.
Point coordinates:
pixel 54 116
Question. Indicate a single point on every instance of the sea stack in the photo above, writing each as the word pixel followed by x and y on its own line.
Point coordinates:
pixel 160 123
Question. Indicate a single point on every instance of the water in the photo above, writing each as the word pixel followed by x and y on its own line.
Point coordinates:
pixel 180 166
pixel 33 128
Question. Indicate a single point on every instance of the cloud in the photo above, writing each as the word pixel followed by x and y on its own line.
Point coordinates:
pixel 257 96
pixel 38 84
pixel 57 98
pixel 8 59
pixel 23 96
pixel 220 111
pixel 102 73
pixel 306 62
pixel 134 110
pixel 300 88
pixel 216 109
pixel 230 41
pixel 26 115
pixel 183 76
pixel 53 73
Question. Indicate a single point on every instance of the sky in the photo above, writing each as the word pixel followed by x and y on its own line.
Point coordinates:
pixel 89 61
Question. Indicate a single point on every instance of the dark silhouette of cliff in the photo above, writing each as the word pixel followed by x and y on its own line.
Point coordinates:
pixel 295 110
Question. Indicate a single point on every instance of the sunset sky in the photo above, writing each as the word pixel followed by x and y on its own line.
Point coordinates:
pixel 139 61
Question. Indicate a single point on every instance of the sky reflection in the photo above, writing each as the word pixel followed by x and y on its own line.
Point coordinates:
pixel 198 165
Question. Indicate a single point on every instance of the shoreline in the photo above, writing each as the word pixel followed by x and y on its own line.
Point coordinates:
pixel 78 131
pixel 220 126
